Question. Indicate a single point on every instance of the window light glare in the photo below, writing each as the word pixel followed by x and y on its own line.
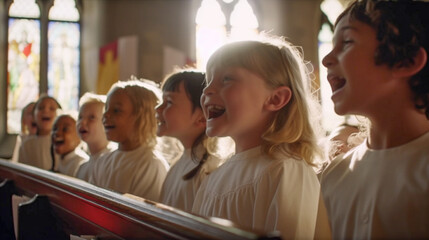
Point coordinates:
pixel 243 16
pixel 210 14
pixel 332 9
pixel 64 10
pixel 24 8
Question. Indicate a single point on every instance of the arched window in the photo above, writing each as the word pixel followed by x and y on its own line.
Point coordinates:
pixel 63 53
pixel 23 64
pixel 43 55
pixel 220 21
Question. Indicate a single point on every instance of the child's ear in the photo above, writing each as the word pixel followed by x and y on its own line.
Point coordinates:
pixel 278 99
pixel 411 69
pixel 200 120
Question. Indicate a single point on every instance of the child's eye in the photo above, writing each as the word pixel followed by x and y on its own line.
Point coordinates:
pixel 345 42
pixel 227 79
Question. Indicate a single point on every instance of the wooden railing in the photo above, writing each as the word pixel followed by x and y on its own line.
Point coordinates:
pixel 79 208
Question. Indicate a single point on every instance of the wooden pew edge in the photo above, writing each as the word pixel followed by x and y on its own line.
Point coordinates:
pixel 167 218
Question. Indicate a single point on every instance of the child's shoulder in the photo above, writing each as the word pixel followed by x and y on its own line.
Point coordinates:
pixel 212 163
pixel 37 140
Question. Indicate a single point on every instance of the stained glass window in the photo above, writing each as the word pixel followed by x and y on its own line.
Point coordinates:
pixel 64 54
pixel 213 30
pixel 63 63
pixel 25 68
pixel 23 60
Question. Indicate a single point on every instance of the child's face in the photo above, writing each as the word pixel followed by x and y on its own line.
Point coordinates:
pixel 234 104
pixel 358 84
pixel 28 120
pixel 90 124
pixel 64 135
pixel 119 120
pixel 45 114
pixel 175 115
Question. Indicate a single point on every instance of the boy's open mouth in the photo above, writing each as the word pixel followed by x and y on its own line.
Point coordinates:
pixel 108 127
pixel 58 141
pixel 337 83
pixel 215 111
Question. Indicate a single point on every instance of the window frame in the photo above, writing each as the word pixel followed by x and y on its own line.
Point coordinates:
pixel 8 140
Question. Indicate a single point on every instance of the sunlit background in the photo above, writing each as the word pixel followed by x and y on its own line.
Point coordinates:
pixel 213 30
pixel 214 27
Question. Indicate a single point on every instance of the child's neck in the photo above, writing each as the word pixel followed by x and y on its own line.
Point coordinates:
pixel 43 132
pixel 129 145
pixel 400 129
pixel 241 147
pixel 188 142
pixel 65 154
pixel 97 147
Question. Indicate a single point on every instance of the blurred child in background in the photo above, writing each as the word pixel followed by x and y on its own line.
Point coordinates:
pixel 91 131
pixel 36 149
pixel 66 144
pixel 129 120
pixel 28 128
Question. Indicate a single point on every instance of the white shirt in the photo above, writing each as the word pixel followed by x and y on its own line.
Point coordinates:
pixel 85 169
pixel 140 172
pixel 379 193
pixel 36 151
pixel 260 193
pixel 70 163
pixel 180 193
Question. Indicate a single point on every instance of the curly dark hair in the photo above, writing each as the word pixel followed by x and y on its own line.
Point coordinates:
pixel 402 28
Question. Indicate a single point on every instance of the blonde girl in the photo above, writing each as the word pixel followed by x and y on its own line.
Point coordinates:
pixel 129 120
pixel 257 94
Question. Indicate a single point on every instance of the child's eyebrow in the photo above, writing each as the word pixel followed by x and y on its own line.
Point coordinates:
pixel 348 27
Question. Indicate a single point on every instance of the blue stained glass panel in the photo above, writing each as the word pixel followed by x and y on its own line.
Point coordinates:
pixel 63 63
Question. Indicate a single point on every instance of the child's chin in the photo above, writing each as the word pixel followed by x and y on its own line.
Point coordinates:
pixel 62 151
pixel 213 132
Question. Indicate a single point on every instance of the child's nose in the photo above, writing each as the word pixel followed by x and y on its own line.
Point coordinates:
pixel 209 89
pixel 329 59
pixel 159 108
pixel 105 115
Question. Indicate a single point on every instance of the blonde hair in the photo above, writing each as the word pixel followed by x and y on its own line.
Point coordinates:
pixel 144 96
pixel 90 97
pixel 279 64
